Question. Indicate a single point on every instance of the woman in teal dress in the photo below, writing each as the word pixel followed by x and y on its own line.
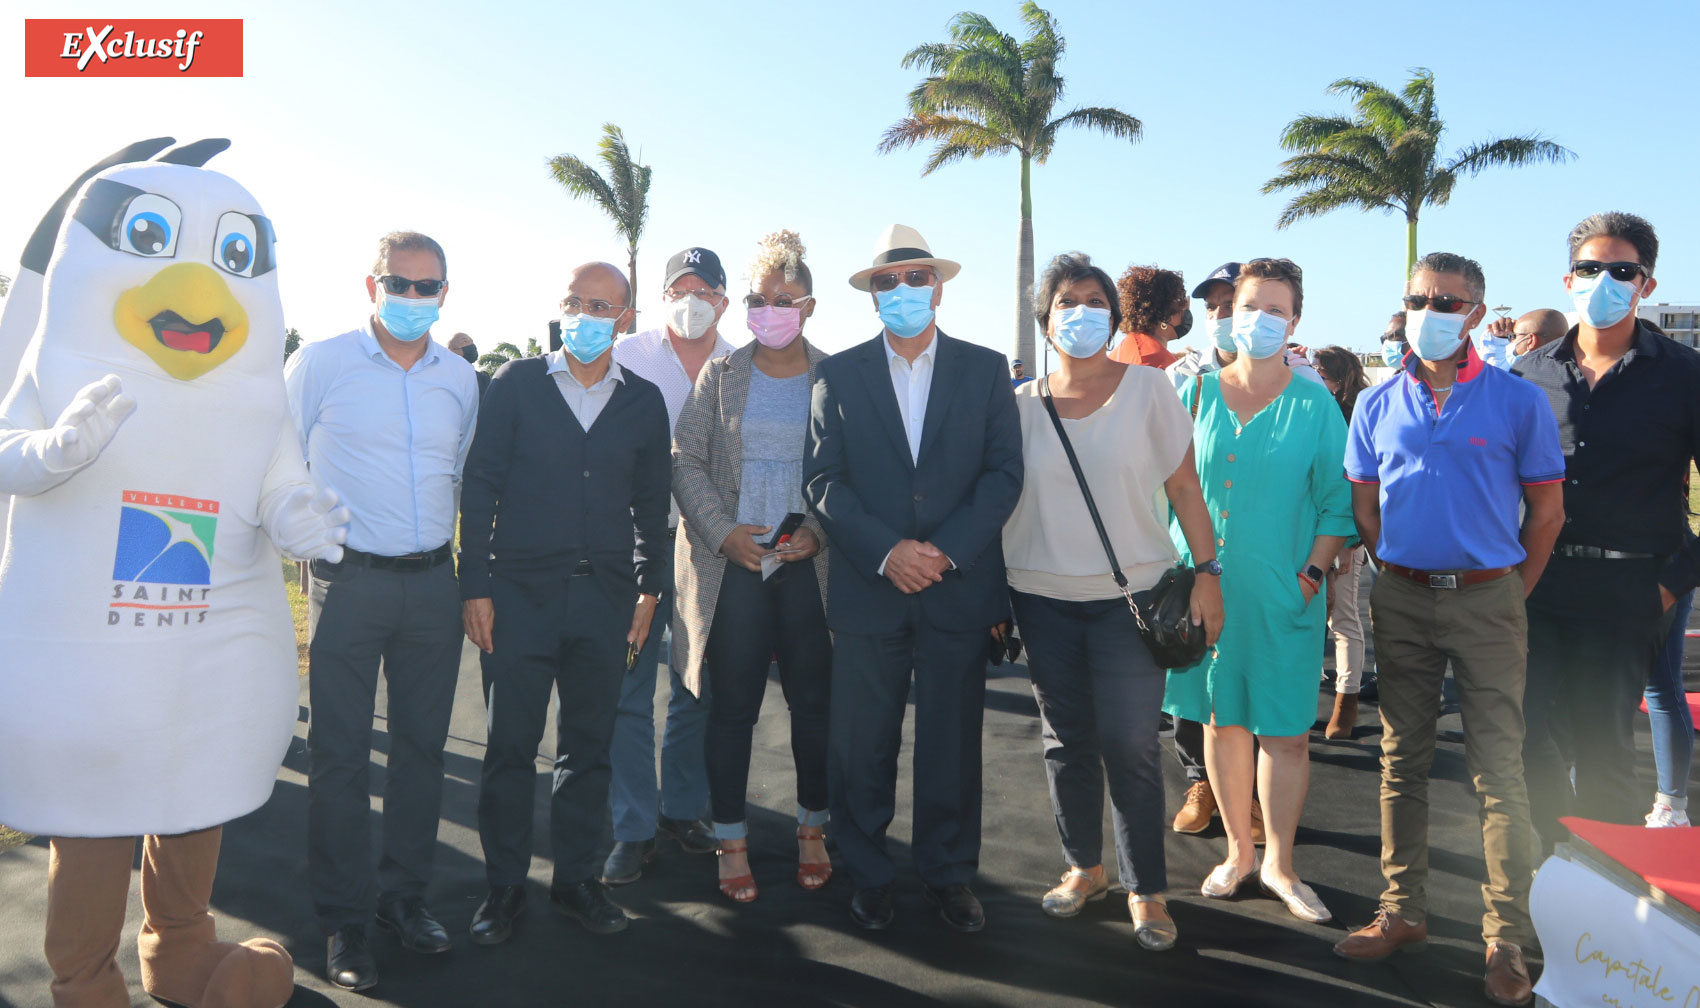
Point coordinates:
pixel 1270 453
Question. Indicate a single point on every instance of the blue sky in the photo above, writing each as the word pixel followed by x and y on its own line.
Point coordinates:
pixel 353 120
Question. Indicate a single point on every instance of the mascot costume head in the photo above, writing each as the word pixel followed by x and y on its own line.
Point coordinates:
pixel 150 683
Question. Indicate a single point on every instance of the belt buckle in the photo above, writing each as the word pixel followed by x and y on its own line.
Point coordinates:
pixel 1443 580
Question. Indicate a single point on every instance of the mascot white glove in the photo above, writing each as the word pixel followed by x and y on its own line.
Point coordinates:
pixel 34 461
pixel 307 525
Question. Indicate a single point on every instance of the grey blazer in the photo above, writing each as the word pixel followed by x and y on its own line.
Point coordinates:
pixel 708 468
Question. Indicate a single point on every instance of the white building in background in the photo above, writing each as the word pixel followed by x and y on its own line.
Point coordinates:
pixel 1681 322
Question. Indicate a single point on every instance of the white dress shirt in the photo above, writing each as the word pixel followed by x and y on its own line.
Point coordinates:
pixel 586 403
pixel 912 383
pixel 650 355
pixel 390 442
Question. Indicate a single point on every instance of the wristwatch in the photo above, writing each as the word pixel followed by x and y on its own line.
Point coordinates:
pixel 1212 567
pixel 1314 573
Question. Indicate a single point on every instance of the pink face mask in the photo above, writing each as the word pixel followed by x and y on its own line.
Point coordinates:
pixel 773 327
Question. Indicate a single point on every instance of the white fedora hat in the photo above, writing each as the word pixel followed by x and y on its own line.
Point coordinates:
pixel 902 245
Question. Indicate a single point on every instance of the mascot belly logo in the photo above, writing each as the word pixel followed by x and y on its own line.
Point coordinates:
pixel 185 319
pixel 162 567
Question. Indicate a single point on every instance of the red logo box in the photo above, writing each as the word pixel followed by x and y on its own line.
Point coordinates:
pixel 136 47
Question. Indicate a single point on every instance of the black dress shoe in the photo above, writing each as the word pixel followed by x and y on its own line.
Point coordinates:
pixel 588 903
pixel 871 907
pixel 693 835
pixel 493 924
pixel 407 917
pixel 625 862
pixel 958 906
pixel 348 962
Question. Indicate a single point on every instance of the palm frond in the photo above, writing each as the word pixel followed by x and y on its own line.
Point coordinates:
pixel 930 57
pixel 1329 198
pixel 976 31
pixel 584 182
pixel 1511 152
pixel 1311 132
pixel 1419 93
pixel 958 147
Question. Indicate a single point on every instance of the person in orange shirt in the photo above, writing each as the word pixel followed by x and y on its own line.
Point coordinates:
pixel 1154 311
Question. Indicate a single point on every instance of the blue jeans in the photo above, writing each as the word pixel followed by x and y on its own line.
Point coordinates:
pixel 634 798
pixel 1667 708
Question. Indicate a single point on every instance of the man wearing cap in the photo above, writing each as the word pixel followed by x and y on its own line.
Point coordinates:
pixel 669 356
pixel 564 549
pixel 1018 375
pixel 912 465
pixel 462 344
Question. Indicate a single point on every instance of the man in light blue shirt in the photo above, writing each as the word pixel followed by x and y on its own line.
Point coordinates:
pixel 386 416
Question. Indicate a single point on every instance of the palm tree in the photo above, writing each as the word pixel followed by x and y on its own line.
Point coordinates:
pixel 1387 157
pixel 623 195
pixel 985 93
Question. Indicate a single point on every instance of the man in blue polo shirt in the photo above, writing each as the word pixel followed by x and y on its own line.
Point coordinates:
pixel 1445 453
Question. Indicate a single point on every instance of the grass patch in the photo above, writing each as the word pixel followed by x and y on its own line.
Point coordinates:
pixel 11 838
pixel 297 610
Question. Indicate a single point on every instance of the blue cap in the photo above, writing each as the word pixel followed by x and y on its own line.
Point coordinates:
pixel 1227 272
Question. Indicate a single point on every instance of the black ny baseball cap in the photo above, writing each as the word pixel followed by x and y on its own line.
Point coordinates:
pixel 698 261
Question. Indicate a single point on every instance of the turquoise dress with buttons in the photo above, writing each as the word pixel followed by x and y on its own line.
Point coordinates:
pixel 1273 483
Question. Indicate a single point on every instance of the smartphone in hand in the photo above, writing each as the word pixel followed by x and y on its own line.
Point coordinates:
pixel 792 522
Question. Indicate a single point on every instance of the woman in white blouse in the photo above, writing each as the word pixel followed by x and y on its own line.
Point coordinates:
pixel 1098 688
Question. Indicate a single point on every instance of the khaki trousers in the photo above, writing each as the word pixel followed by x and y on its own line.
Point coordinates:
pixel 1483 632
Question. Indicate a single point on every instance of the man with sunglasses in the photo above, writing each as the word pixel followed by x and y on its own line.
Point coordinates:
pixel 912 465
pixel 1451 436
pixel 670 357
pixel 1628 408
pixel 386 416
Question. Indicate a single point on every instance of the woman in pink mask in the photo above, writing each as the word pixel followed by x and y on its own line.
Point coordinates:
pixel 743 596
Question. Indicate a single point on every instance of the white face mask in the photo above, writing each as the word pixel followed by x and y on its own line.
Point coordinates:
pixel 690 317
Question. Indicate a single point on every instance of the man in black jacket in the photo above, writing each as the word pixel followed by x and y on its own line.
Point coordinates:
pixel 913 462
pixel 571 465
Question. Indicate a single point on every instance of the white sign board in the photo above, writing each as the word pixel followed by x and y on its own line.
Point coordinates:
pixel 1605 945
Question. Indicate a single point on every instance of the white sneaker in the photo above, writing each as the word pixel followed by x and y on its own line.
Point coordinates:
pixel 1663 815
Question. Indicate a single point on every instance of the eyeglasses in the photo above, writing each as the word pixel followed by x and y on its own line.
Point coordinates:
pixel 595 306
pixel 706 296
pixel 753 301
pixel 398 285
pixel 1625 271
pixel 889 281
pixel 1446 304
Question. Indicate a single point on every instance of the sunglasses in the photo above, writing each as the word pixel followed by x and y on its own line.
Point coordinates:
pixel 889 281
pixel 399 285
pixel 1446 304
pixel 753 301
pixel 1626 271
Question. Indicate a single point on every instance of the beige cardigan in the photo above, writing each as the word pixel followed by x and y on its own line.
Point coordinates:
pixel 708 468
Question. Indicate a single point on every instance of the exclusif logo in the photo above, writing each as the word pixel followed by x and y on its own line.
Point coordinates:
pixel 154 47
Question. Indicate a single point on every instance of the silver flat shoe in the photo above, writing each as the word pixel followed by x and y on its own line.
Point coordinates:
pixel 1152 935
pixel 1061 902
pixel 1301 901
pixel 1222 883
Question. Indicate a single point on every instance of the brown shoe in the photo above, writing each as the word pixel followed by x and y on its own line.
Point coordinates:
pixel 1345 717
pixel 1507 979
pixel 1382 937
pixel 1256 823
pixel 1198 809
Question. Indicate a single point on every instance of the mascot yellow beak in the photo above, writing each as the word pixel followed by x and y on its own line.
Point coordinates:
pixel 185 319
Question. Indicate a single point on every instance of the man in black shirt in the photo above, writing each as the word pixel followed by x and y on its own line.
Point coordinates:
pixel 1627 402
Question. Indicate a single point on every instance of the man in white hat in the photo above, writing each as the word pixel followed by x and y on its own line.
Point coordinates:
pixel 913 463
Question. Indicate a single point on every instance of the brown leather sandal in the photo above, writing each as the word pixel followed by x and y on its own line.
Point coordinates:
pixel 813 874
pixel 733 888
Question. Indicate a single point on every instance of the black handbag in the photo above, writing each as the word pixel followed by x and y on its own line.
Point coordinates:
pixel 1164 613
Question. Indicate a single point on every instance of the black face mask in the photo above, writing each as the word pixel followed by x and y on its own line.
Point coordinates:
pixel 470 352
pixel 1184 326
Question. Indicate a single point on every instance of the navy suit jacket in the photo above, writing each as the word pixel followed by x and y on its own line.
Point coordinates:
pixel 860 482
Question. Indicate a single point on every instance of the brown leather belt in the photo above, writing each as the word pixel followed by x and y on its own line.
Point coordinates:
pixel 1446 579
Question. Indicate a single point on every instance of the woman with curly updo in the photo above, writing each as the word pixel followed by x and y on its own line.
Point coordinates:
pixel 737 473
pixel 1154 311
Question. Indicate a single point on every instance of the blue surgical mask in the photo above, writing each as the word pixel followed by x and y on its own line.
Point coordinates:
pixel 586 337
pixel 1258 334
pixel 1081 331
pixel 1393 355
pixel 906 310
pixel 1494 350
pixel 1222 334
pixel 407 319
pixel 1435 336
pixel 1602 301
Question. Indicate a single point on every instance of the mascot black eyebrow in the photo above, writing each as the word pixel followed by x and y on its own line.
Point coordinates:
pixel 149 687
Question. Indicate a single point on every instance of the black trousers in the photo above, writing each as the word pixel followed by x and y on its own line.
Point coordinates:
pixel 359 619
pixel 871 675
pixel 1595 629
pixel 754 622
pixel 565 634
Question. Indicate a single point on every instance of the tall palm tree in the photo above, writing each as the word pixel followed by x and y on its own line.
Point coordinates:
pixel 623 195
pixel 1387 157
pixel 985 93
